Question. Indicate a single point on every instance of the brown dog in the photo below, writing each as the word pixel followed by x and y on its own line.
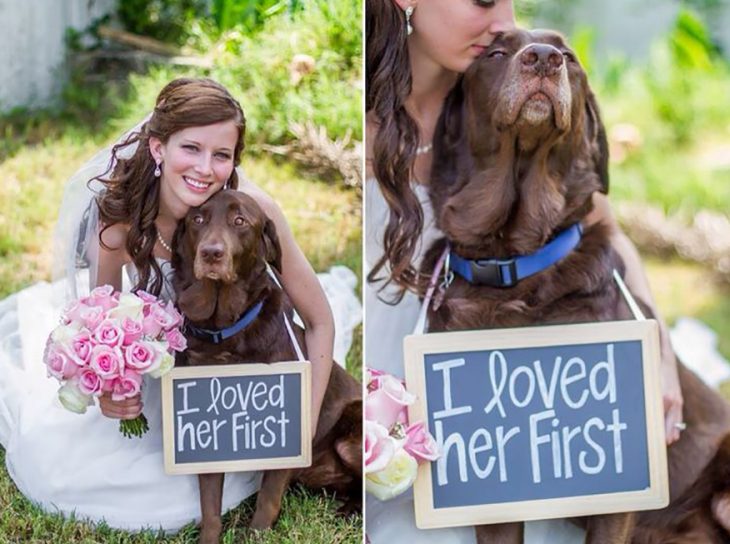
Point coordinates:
pixel 519 150
pixel 221 252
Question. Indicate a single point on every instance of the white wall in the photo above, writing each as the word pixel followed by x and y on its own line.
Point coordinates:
pixel 32 47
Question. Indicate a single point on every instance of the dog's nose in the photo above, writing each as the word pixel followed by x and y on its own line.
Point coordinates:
pixel 212 253
pixel 544 59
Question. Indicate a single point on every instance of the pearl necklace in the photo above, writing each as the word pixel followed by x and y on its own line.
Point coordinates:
pixel 163 243
pixel 422 150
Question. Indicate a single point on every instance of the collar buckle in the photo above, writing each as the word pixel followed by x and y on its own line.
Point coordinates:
pixel 494 272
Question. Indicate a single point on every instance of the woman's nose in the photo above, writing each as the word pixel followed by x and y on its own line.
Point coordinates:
pixel 503 17
pixel 204 164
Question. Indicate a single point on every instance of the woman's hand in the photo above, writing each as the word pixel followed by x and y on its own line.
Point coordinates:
pixel 671 391
pixel 120 409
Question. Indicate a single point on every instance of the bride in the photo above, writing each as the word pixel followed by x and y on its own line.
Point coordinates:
pixel 118 218
pixel 415 51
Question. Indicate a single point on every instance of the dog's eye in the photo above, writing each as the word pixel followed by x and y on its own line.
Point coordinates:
pixel 239 221
pixel 198 219
pixel 497 54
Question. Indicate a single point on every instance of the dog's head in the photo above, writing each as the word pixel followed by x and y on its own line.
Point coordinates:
pixel 535 143
pixel 224 242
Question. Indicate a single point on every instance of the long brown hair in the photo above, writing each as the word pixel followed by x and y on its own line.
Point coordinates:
pixel 388 84
pixel 131 194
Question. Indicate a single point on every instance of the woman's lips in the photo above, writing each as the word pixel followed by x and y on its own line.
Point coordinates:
pixel 195 185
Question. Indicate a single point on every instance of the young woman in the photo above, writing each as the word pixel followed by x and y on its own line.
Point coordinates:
pixel 185 152
pixel 416 50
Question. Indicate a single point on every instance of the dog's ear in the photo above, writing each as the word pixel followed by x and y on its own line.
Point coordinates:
pixel 272 249
pixel 181 250
pixel 596 134
pixel 198 300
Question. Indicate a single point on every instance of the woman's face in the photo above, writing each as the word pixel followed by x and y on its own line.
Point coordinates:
pixel 196 163
pixel 453 33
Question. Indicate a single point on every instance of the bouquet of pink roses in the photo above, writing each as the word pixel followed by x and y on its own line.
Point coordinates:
pixel 393 447
pixel 106 342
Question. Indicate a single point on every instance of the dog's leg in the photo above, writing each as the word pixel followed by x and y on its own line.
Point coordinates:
pixel 211 497
pixel 501 533
pixel 268 502
pixel 611 528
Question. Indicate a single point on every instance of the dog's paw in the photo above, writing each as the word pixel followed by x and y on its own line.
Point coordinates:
pixel 261 521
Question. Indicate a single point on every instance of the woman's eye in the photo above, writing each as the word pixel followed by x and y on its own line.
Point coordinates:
pixel 239 221
pixel 497 53
pixel 190 147
pixel 223 156
pixel 485 3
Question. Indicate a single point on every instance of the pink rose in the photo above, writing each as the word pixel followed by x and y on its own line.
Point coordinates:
pixel 146 297
pixel 91 316
pixel 132 331
pixel 89 382
pixel 126 386
pixel 110 333
pixel 103 297
pixel 80 348
pixel 176 318
pixel 140 355
pixel 70 313
pixel 176 340
pixel 387 405
pixel 373 378
pixel 379 447
pixel 420 443
pixel 106 362
pixel 160 319
pixel 59 363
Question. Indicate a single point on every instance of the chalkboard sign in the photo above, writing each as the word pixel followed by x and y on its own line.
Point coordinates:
pixel 539 422
pixel 228 418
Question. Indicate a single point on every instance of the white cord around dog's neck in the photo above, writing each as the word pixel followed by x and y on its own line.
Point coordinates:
pixel 292 337
pixel 633 306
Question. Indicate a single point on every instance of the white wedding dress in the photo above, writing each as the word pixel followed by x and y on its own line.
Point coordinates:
pixel 81 464
pixel 392 521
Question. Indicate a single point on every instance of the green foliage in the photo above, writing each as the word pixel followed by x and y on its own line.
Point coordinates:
pixel 165 20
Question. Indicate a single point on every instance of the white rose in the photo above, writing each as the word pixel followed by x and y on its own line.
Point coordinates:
pixel 166 362
pixel 129 306
pixel 395 478
pixel 63 333
pixel 72 398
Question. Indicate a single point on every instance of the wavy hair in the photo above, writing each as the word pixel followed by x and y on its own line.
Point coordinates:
pixel 388 84
pixel 131 194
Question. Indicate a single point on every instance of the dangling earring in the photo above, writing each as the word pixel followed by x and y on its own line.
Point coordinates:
pixel 409 12
pixel 158 170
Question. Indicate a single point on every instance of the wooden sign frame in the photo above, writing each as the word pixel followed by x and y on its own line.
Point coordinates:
pixel 304 459
pixel 416 347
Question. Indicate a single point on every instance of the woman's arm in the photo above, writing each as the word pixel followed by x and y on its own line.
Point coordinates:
pixel 301 284
pixel 109 272
pixel 638 284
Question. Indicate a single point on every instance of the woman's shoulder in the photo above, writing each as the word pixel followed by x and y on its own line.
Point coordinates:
pixel 262 198
pixel 114 237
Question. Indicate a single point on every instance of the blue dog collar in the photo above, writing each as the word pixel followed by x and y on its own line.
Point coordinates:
pixel 507 272
pixel 218 337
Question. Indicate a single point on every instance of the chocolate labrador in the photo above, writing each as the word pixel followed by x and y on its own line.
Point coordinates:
pixel 221 251
pixel 520 149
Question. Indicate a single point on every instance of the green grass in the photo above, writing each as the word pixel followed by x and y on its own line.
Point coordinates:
pixel 326 222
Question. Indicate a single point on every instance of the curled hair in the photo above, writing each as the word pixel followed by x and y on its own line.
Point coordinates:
pixel 388 84
pixel 131 193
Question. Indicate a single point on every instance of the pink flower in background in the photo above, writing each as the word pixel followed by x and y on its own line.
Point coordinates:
pixel 140 355
pixel 379 447
pixel 420 444
pixel 105 361
pixel 91 316
pixel 109 332
pixel 59 363
pixel 176 340
pixel 392 448
pixel 145 296
pixel 163 320
pixel 176 319
pixel 89 382
pixel 126 386
pixel 388 403
pixel 132 331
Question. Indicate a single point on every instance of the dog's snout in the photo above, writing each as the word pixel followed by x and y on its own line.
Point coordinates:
pixel 544 59
pixel 212 253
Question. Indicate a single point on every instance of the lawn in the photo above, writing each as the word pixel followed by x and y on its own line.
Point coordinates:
pixel 326 221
